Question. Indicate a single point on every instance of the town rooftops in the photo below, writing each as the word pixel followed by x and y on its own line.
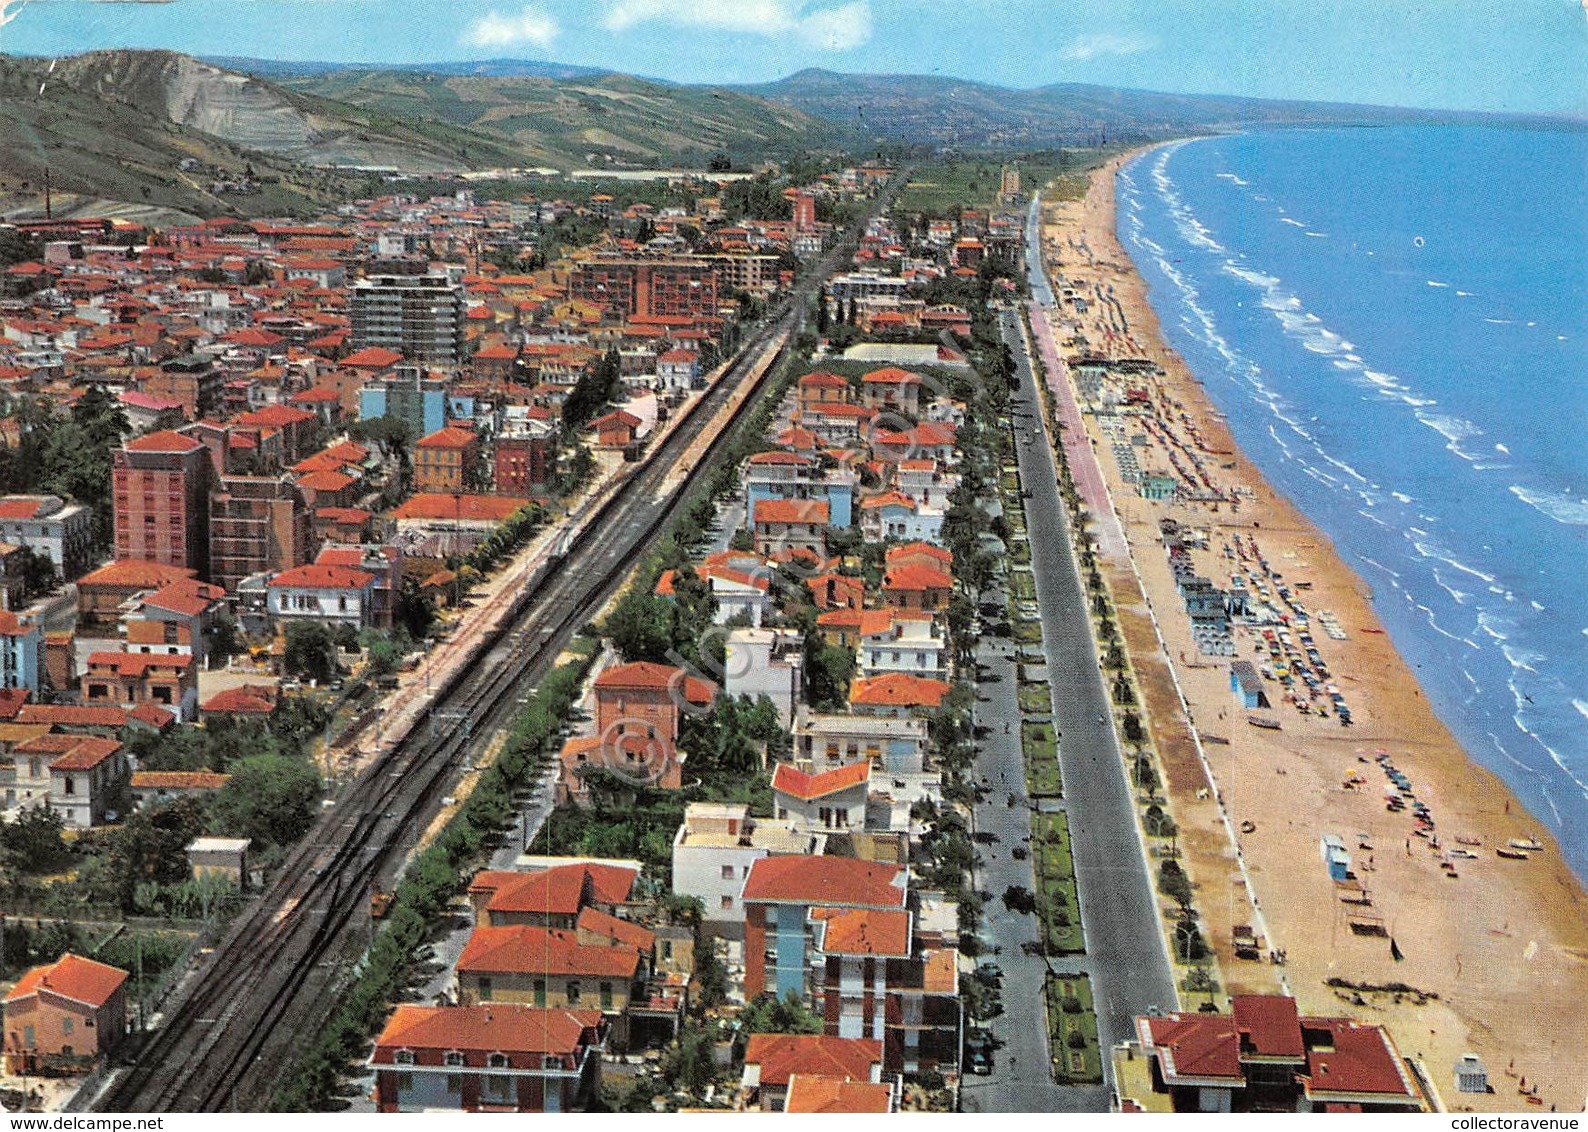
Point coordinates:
pixel 133 573
pixel 72 977
pixel 825 881
pixel 137 663
pixel 450 438
pixel 525 949
pixel 891 375
pixel 913 577
pixel 461 508
pixel 1194 1048
pixel 560 890
pixel 372 357
pixel 246 699
pixel 771 1059
pixel 807 787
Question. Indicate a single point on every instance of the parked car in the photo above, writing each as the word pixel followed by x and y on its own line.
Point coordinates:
pixel 979 1052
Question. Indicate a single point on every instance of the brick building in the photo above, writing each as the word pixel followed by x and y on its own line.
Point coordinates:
pixel 160 486
pixel 72 1008
pixel 630 288
pixel 258 524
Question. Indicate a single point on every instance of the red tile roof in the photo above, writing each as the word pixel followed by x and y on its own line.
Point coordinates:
pixel 1362 1063
pixel 73 715
pixel 865 931
pixel 813 1094
pixel 823 881
pixel 1268 1025
pixel 136 574
pixel 560 890
pixel 249 699
pixel 137 663
pixel 526 950
pixel 71 976
pixel 899 689
pixel 593 921
pixel 916 578
pixel 164 441
pixel 85 754
pixel 372 357
pixel 495 1027
pixel 789 780
pixel 178 780
pixel 791 511
pixel 1196 1047
pixel 450 438
pixel 318 575
pixel 781 1056
pixel 655 677
pixel 892 375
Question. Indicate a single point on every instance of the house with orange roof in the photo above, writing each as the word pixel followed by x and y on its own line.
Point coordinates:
pixel 790 475
pixel 129 679
pixel 245 701
pixel 772 1061
pixel 828 801
pixel 791 525
pixel 447 460
pixel 813 1093
pixel 1264 1056
pixel 494 1057
pixel 911 641
pixel 63 1015
pixel 617 430
pixel 913 586
pixel 101 593
pixel 552 897
pixel 920 554
pixel 318 591
pixel 837 423
pixel 897 694
pixel 639 709
pixel 157 787
pixel 740 590
pixel 549 967
pixel 831 590
pixel 822 388
pixel 892 390
pixel 87 777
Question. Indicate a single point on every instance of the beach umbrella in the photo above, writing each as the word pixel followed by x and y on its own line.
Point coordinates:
pixel 1395 951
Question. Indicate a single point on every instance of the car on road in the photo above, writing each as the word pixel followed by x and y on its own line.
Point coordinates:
pixel 979 1052
pixel 990 971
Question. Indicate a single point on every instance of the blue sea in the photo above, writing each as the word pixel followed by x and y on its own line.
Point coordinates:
pixel 1395 323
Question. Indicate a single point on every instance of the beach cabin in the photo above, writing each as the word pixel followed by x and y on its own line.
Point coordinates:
pixel 1472 1076
pixel 1247 685
pixel 1335 856
pixel 1157 487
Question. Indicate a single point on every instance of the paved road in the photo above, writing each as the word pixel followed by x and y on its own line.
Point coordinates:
pixel 1021 1080
pixel 1118 908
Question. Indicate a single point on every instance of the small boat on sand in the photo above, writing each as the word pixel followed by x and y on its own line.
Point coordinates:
pixel 1529 843
pixel 1511 854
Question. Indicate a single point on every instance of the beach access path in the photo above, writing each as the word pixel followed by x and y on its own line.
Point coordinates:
pixel 1119 910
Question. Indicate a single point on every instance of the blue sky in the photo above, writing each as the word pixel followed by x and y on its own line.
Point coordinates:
pixel 1525 55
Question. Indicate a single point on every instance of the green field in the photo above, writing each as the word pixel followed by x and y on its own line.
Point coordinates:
pixel 1028 632
pixel 1073 1066
pixel 1041 748
pixel 1022 586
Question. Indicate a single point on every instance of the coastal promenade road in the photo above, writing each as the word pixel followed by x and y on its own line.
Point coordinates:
pixel 1118 908
pixel 1021 1080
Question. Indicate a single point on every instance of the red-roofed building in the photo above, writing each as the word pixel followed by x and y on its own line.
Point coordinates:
pixel 783 526
pixel 62 1014
pixel 823 802
pixel 822 388
pixel 617 430
pixel 318 591
pixel 160 494
pixel 246 701
pixel 771 1061
pixel 815 1094
pixel 102 593
pixel 892 390
pixel 551 898
pixel 897 694
pixel 638 710
pixel 128 679
pixel 489 1058
pixel 1264 1057
pixel 469 511
pixel 913 586
pixel 447 460
pixel 157 787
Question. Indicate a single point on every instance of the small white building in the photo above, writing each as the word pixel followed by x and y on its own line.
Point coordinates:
pixel 677 371
pixel 714 849
pixel 912 642
pixel 766 662
pixel 832 801
pixel 828 740
pixel 318 592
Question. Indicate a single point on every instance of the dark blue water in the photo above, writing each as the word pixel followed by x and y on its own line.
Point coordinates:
pixel 1395 322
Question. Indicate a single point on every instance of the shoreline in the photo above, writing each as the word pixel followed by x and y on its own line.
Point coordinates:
pixel 1501 941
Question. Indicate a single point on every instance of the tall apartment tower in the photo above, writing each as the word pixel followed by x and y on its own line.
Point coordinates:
pixel 161 488
pixel 257 524
pixel 419 316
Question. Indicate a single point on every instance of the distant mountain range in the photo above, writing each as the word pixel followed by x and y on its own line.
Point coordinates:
pixel 156 128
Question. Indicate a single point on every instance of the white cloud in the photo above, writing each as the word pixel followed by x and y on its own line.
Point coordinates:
pixel 531 26
pixel 835 28
pixel 1086 47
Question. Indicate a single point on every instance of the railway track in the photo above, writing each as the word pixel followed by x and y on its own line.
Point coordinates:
pixel 232 1027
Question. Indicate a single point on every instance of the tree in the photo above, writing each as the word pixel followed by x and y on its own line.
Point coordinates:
pixel 310 651
pixel 270 799
pixel 225 642
pixel 415 611
pixel 641 627
pixel 787 1015
pixel 32 843
pixel 151 848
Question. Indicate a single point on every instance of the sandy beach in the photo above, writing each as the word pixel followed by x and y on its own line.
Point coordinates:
pixel 1492 946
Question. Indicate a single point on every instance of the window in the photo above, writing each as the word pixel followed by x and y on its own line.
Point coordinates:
pixel 606 996
pixel 540 992
pixel 727 872
pixel 67 1025
pixel 573 993
pixel 500 1088
pixel 454 1083
pixel 485 989
pixel 452 1057
pixel 727 904
pixel 402 1057
pixel 496 1061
